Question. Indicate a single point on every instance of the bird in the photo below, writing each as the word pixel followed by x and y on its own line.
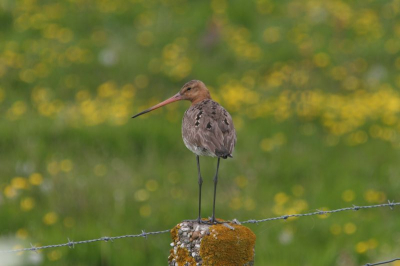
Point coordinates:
pixel 207 130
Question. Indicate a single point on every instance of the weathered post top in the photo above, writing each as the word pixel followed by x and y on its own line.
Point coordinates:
pixel 225 244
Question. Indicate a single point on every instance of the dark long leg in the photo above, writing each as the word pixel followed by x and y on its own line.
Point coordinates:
pixel 215 191
pixel 200 183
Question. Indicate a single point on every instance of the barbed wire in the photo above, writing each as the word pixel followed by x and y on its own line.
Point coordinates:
pixel 319 212
pixel 72 244
pixel 382 262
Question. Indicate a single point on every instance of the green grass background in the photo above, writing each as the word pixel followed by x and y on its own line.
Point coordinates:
pixel 73 72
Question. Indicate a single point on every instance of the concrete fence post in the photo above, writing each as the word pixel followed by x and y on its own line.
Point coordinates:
pixel 224 244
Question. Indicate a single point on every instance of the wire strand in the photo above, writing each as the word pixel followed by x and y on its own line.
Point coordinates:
pixel 72 244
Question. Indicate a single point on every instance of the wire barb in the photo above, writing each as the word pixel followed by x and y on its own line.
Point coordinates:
pixel 33 248
pixel 71 244
pixel 391 204
pixel 144 234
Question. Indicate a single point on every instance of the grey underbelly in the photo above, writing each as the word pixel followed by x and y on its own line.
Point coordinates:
pixel 198 150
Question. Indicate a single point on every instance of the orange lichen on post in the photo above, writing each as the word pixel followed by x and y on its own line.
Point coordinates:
pixel 174 233
pixel 225 244
pixel 179 255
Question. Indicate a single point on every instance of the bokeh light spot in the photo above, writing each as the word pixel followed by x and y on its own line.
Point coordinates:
pixel 349 228
pixel 152 185
pixel 50 218
pixel 142 195
pixel 36 179
pixel 27 204
pixel 348 195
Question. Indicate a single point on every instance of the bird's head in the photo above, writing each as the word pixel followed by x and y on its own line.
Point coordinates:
pixel 194 91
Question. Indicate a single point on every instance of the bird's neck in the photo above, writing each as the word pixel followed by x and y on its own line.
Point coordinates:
pixel 201 96
pixel 200 99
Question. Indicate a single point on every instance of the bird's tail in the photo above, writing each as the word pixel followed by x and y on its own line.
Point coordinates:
pixel 223 154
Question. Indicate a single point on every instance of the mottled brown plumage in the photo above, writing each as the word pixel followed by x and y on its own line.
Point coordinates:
pixel 207 128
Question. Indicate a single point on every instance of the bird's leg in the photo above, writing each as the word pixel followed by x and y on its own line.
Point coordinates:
pixel 200 181
pixel 215 191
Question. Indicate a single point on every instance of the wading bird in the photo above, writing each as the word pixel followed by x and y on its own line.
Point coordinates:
pixel 207 129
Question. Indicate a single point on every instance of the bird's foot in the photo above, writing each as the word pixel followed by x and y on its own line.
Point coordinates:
pixel 199 221
pixel 205 221
pixel 213 220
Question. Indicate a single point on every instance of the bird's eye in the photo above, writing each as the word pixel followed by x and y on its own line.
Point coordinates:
pixel 188 89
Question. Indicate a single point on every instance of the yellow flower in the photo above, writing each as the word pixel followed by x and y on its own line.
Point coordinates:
pixel 36 179
pixel 107 89
pixel 300 205
pixel 10 192
pixel 348 195
pixel 54 255
pixel 19 183
pixel 267 144
pixel 50 218
pixel 17 109
pixel 281 198
pixel 27 204
pixel 371 196
pixel 241 181
pixel 361 247
pixel 336 229
pixel 321 60
pixel 349 228
pixel 53 168
pixel 66 165
pixel 22 233
pixel 145 211
pixel 142 195
pixel 152 185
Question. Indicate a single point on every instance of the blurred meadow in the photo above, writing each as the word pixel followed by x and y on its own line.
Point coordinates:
pixel 313 88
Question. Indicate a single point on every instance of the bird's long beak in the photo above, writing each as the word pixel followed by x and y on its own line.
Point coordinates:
pixel 176 97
